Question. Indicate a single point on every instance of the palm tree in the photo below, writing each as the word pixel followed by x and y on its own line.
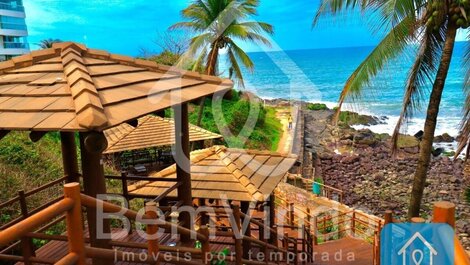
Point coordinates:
pixel 219 24
pixel 432 24
pixel 47 43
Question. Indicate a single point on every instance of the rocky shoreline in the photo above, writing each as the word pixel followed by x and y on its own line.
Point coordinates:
pixel 360 163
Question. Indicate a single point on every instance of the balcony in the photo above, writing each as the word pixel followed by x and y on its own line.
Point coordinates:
pixel 15 45
pixel 12 26
pixel 17 8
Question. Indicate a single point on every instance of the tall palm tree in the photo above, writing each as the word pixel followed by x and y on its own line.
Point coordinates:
pixel 47 43
pixel 432 24
pixel 220 24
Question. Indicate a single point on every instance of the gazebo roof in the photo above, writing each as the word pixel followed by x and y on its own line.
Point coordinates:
pixel 240 175
pixel 152 131
pixel 72 88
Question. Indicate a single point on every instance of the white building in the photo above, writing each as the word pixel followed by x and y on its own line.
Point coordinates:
pixel 13 31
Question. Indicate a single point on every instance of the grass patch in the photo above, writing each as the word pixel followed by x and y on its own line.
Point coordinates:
pixel 316 106
pixel 405 141
pixel 352 118
pixel 267 129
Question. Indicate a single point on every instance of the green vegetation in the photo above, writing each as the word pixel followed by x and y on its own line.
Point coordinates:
pixel 316 106
pixel 405 141
pixel 234 115
pixel 352 118
pixel 25 165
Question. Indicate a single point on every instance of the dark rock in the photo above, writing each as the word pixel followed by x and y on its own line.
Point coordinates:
pixel 444 138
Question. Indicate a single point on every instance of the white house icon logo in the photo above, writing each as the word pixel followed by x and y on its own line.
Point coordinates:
pixel 417 255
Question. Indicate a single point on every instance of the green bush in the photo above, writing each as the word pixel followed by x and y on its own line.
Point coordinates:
pixel 316 106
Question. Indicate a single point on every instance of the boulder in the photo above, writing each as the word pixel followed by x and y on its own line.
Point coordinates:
pixel 365 137
pixel 444 138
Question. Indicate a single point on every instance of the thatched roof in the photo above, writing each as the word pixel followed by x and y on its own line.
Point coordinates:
pixel 152 131
pixel 234 174
pixel 72 88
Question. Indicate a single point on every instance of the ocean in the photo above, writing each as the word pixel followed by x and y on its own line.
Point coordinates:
pixel 319 76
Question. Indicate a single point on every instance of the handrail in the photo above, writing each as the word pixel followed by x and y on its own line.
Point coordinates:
pixel 110 208
pixel 25 226
pixel 460 255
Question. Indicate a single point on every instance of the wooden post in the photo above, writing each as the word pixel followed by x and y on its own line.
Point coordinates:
pixel 183 165
pixel 315 231
pixel 69 156
pixel 205 246
pixel 353 223
pixel 92 144
pixel 152 229
pixel 125 191
pixel 291 215
pixel 418 220
pixel 74 222
pixel 204 216
pixel 238 241
pixel 245 208
pixel 272 218
pixel 444 212
pixel 27 247
pixel 262 237
pixel 285 245
pixel 377 249
pixel 388 217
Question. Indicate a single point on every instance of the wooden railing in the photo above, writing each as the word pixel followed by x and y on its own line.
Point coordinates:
pixel 70 205
pixel 326 191
pixel 334 225
pixel 23 201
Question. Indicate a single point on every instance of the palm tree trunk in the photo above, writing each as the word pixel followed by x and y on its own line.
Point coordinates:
pixel 430 124
pixel 210 70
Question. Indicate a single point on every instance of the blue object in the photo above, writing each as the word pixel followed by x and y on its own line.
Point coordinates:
pixel 417 244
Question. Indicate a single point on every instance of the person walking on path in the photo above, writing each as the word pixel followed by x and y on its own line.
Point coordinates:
pixel 290 121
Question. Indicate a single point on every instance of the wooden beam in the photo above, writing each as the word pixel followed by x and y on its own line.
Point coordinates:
pixel 69 156
pixel 35 136
pixel 92 144
pixel 3 133
pixel 245 208
pixel 272 216
pixel 183 165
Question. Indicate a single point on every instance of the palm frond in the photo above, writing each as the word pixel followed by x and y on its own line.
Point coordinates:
pixel 419 77
pixel 242 56
pixel 258 27
pixel 235 68
pixel 332 7
pixel 464 136
pixel 390 47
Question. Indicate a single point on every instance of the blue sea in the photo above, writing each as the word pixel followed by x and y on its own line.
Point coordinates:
pixel 319 76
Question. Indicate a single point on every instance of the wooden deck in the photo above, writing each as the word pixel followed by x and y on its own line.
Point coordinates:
pixel 335 250
pixel 339 250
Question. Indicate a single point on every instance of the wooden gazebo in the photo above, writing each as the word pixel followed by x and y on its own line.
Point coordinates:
pixel 151 131
pixel 224 173
pixel 70 88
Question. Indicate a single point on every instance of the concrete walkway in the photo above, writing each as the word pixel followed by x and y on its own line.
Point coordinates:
pixel 287 138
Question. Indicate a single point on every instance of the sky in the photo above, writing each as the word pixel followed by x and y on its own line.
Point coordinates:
pixel 124 27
